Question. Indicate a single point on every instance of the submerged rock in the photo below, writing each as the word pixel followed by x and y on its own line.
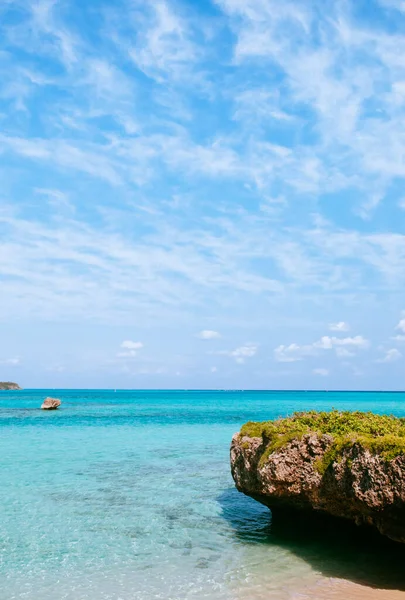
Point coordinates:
pixel 51 404
pixel 349 465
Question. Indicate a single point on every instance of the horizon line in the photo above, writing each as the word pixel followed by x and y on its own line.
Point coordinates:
pixel 309 390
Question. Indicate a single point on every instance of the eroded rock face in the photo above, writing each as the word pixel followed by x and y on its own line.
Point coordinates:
pixel 359 485
pixel 51 404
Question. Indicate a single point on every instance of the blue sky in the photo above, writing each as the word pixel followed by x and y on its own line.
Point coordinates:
pixel 204 193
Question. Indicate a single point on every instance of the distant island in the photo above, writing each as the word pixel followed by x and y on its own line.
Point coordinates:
pixel 9 385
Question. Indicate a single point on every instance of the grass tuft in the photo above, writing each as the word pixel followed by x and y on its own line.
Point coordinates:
pixel 380 434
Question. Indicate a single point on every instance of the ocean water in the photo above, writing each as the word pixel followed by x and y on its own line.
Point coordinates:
pixel 128 495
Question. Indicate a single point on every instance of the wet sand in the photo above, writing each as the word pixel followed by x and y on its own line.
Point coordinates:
pixel 338 589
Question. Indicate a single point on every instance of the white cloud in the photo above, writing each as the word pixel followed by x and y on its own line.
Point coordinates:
pixel 131 349
pixel 327 342
pixel 129 345
pixel 214 369
pixel 56 369
pixel 344 353
pixel 86 158
pixel 242 352
pixel 295 352
pixel 291 353
pixel 337 90
pixel 168 271
pixel 164 48
pixel 391 355
pixel 398 338
pixel 56 199
pixel 130 255
pixel 63 45
pixel 12 362
pixel 321 372
pixel 395 4
pixel 401 325
pixel 340 326
pixel 208 334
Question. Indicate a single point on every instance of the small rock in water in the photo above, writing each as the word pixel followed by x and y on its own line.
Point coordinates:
pixel 51 404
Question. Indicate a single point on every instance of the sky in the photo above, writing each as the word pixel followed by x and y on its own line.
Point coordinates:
pixel 202 193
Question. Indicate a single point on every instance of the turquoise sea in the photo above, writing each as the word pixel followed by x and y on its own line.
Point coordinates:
pixel 128 495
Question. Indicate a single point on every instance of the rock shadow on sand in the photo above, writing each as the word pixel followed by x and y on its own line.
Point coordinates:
pixel 333 547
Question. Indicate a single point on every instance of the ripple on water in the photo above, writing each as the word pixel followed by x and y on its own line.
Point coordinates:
pixel 129 496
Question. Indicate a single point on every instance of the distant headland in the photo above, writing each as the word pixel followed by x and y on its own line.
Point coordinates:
pixel 9 385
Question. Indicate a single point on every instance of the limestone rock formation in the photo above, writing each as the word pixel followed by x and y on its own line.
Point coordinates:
pixel 51 404
pixel 357 473
pixel 9 385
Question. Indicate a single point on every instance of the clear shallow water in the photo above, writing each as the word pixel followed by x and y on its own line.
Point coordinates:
pixel 128 496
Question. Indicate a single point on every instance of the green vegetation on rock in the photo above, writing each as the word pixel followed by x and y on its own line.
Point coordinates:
pixel 380 434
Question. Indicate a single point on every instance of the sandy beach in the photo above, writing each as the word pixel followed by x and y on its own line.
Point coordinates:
pixel 338 589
